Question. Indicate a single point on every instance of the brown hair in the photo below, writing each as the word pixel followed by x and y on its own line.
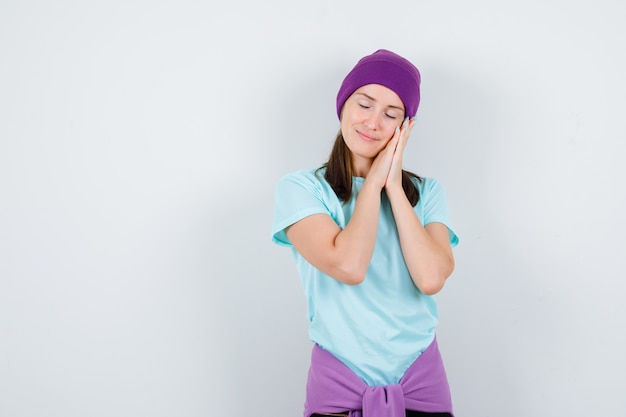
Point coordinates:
pixel 339 173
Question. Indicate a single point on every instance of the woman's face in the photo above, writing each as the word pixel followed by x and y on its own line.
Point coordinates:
pixel 368 121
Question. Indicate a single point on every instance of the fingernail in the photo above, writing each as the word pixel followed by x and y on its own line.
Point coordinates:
pixel 397 129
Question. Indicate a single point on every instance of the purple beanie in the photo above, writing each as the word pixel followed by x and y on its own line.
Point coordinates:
pixel 388 69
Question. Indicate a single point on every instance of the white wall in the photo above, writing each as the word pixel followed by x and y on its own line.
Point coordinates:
pixel 139 146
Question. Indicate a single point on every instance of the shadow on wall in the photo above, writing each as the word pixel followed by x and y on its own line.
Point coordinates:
pixel 490 305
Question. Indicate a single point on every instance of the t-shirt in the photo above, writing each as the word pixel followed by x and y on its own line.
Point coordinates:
pixel 379 327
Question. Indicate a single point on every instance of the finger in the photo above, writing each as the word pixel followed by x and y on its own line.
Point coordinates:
pixel 407 126
pixel 398 132
pixel 393 142
pixel 390 148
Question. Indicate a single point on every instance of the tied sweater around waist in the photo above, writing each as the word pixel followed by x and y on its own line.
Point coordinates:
pixel 333 388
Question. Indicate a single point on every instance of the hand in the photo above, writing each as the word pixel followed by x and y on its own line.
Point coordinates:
pixel 394 178
pixel 379 171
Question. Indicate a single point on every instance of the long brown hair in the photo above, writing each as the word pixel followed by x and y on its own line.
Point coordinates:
pixel 340 170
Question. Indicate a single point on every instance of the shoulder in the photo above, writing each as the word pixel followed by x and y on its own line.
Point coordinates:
pixel 311 177
pixel 307 174
pixel 432 193
pixel 426 184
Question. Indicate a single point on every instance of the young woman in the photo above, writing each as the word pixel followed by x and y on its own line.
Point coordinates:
pixel 372 244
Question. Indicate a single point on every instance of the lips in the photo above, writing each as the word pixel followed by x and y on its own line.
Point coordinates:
pixel 366 137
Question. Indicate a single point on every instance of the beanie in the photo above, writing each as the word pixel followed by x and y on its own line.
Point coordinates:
pixel 388 69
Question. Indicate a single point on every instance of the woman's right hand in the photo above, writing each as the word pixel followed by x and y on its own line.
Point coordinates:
pixel 345 254
pixel 379 171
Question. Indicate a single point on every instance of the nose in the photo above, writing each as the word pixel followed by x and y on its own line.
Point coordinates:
pixel 372 121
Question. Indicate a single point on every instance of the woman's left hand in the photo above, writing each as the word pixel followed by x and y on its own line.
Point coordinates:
pixel 394 179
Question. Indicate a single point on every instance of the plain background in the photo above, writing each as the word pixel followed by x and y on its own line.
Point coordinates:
pixel 140 142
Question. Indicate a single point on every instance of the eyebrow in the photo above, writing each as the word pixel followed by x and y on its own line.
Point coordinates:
pixel 373 99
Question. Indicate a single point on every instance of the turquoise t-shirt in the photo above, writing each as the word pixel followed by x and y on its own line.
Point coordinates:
pixel 379 327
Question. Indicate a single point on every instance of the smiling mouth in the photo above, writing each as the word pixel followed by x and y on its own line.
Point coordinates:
pixel 365 137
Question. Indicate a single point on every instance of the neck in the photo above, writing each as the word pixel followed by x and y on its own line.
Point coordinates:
pixel 361 166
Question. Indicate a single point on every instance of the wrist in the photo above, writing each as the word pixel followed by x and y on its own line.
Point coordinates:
pixel 394 191
pixel 371 187
pixel 371 183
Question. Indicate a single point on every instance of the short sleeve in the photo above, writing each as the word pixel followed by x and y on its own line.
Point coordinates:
pixel 435 206
pixel 296 196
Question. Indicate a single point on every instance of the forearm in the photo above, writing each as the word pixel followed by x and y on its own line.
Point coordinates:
pixel 429 262
pixel 354 245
